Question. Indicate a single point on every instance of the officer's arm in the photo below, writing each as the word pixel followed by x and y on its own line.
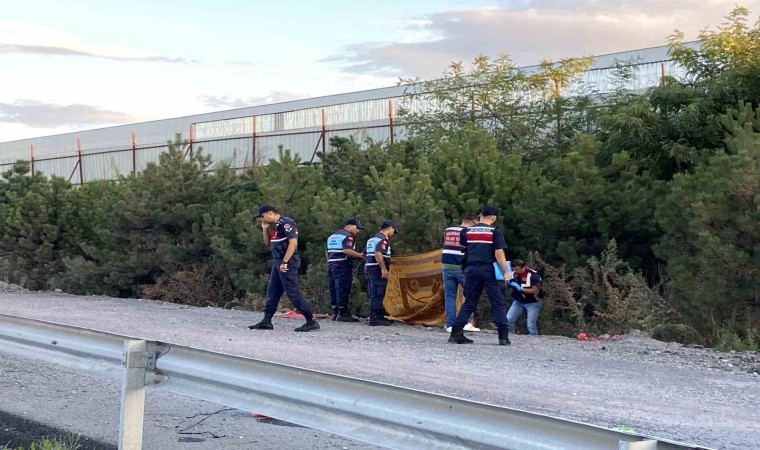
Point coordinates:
pixel 292 247
pixel 463 242
pixel 265 233
pixel 353 253
pixel 380 261
pixel 499 254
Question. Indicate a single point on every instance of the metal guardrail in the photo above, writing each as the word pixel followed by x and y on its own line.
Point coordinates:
pixel 376 413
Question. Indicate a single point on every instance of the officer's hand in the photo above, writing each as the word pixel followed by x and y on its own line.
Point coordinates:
pixel 284 267
pixel 384 275
pixel 515 285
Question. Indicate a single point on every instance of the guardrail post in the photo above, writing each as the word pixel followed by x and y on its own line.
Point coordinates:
pixel 640 445
pixel 133 395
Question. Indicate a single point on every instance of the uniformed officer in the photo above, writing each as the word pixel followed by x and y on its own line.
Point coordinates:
pixel 341 246
pixel 484 244
pixel 377 262
pixel 453 277
pixel 283 241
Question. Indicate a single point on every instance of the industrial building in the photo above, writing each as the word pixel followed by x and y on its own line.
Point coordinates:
pixel 247 136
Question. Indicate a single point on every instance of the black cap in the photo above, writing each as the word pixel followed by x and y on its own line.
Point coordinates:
pixel 388 224
pixel 489 210
pixel 265 209
pixel 354 221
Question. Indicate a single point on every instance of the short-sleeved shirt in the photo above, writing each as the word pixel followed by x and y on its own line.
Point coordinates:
pixel 377 243
pixel 453 250
pixel 480 242
pixel 284 230
pixel 336 243
pixel 529 278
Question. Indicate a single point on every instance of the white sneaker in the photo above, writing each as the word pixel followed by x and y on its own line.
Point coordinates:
pixel 470 327
pixel 448 329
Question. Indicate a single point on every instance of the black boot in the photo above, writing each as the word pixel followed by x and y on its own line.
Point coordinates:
pixel 265 324
pixel 335 313
pixel 376 319
pixel 345 316
pixel 457 336
pixel 310 325
pixel 504 337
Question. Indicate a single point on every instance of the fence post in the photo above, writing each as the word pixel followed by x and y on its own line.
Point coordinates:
pixel 79 162
pixel 324 145
pixel 31 157
pixel 134 153
pixel 253 145
pixel 192 137
pixel 663 72
pixel 557 105
pixel 390 118
pixel 133 395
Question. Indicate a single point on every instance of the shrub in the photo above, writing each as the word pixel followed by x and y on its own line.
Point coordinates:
pixel 204 284
pixel 677 332
pixel 604 296
pixel 730 337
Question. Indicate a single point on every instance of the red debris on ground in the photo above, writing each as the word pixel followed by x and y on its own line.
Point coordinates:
pixel 290 314
pixel 603 338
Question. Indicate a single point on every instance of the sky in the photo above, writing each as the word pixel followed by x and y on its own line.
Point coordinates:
pixel 69 65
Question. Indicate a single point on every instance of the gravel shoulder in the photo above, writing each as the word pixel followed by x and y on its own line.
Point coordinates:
pixel 663 389
pixel 81 403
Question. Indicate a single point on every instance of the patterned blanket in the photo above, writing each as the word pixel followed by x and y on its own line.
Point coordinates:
pixel 415 289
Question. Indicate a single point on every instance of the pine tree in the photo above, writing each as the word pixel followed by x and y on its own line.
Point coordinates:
pixel 710 229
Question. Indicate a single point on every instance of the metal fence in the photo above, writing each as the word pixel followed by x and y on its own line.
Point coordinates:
pixel 253 140
pixel 390 416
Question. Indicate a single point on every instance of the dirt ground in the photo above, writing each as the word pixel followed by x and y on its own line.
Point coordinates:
pixel 692 395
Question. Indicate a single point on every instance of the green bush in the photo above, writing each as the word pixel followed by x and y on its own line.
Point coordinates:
pixel 677 332
pixel 730 337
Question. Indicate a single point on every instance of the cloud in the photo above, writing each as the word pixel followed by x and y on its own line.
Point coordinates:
pixel 37 114
pixel 64 51
pixel 242 63
pixel 532 30
pixel 227 102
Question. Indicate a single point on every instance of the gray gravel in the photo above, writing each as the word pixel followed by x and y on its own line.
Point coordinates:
pixel 663 389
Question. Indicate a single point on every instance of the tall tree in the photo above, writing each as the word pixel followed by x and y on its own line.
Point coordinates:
pixel 711 238
pixel 522 109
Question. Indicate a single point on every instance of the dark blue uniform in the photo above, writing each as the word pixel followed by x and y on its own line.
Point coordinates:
pixel 279 283
pixel 339 273
pixel 481 241
pixel 377 284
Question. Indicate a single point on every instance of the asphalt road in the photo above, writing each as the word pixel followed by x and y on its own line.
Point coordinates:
pixel 685 394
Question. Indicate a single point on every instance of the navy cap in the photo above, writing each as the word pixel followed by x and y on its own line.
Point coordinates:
pixel 489 210
pixel 354 221
pixel 388 224
pixel 265 209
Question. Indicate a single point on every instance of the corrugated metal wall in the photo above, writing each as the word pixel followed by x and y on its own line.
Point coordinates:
pixel 248 136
